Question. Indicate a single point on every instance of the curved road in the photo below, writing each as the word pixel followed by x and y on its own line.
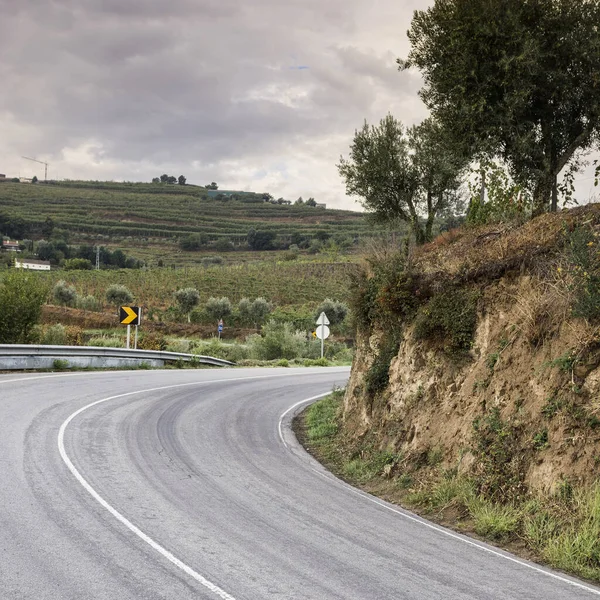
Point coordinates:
pixel 189 484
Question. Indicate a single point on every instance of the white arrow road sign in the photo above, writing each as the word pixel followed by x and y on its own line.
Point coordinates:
pixel 323 320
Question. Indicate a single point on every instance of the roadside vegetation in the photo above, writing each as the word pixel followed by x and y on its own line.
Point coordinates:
pixel 561 529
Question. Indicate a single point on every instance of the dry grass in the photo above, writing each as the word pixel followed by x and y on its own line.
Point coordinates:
pixel 470 253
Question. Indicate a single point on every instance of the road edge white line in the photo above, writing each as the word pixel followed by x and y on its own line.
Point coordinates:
pixel 415 519
pixel 113 511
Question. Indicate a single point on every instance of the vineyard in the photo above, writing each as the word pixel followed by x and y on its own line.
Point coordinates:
pixel 157 216
pixel 284 284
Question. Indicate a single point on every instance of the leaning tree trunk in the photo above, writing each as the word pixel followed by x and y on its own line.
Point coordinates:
pixel 542 194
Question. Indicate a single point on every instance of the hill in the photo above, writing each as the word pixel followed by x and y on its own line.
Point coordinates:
pixel 153 219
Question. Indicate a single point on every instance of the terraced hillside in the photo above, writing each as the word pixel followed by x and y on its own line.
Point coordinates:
pixel 102 212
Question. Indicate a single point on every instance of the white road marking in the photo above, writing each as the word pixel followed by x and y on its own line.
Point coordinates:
pixel 420 521
pixel 280 425
pixel 113 511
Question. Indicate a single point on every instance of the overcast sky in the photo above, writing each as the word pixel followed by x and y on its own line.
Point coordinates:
pixel 260 95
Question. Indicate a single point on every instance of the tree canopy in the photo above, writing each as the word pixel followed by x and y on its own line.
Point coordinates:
pixel 403 174
pixel 514 78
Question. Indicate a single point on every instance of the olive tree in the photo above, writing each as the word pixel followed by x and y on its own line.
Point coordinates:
pixel 64 294
pixel 118 294
pixel 218 308
pixel 187 299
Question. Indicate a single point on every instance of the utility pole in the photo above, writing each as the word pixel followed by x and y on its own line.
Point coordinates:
pixel 97 258
pixel 41 163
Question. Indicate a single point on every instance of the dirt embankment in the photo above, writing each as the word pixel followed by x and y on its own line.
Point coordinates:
pixel 511 396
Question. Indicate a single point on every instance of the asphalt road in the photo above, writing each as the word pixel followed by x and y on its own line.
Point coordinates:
pixel 189 484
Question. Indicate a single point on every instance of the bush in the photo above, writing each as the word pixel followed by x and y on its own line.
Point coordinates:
pixel 55 335
pixel 88 303
pixel 278 340
pixel 107 342
pixel 451 316
pixel 21 298
pixel 152 341
pixel 64 294
pixel 378 375
pixel 208 261
pixel 118 295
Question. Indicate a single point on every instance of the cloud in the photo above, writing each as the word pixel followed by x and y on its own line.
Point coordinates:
pixel 263 95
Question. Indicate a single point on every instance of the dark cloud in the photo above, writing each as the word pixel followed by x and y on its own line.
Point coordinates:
pixel 212 88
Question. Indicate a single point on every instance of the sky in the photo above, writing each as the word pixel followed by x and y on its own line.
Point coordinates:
pixel 262 96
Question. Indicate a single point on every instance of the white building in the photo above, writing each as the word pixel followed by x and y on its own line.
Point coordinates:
pixel 32 264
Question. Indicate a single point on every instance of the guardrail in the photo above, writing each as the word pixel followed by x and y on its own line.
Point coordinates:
pixel 24 356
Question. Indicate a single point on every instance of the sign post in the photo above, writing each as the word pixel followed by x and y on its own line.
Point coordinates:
pixel 130 315
pixel 322 330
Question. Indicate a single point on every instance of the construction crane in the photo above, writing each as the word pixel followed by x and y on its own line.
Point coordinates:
pixel 41 163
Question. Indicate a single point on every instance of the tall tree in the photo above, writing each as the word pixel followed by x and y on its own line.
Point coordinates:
pixel 514 78
pixel 181 180
pixel 399 174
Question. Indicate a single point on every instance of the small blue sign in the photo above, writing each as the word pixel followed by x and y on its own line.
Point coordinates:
pixel 220 328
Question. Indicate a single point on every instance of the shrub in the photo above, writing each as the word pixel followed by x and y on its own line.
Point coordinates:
pixel 208 261
pixel 585 272
pixel 118 294
pixel 378 375
pixel 152 341
pixel 64 294
pixel 55 335
pixel 107 342
pixel 88 303
pixel 499 464
pixel 451 316
pixel 278 340
pixel 21 298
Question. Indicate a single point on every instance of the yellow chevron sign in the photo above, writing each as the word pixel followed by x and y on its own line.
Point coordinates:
pixel 130 315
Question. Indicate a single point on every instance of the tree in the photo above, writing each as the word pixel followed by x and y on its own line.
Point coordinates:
pixel 212 186
pixel 311 202
pixel 261 240
pixel 118 294
pixel 21 297
pixel 255 312
pixel 181 180
pixel 156 180
pixel 172 179
pixel 514 79
pixel 34 179
pixel 336 311
pixel 164 178
pixel 218 308
pixel 77 264
pixel 299 202
pixel 64 294
pixel 187 299
pixel 390 169
pixel 47 227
